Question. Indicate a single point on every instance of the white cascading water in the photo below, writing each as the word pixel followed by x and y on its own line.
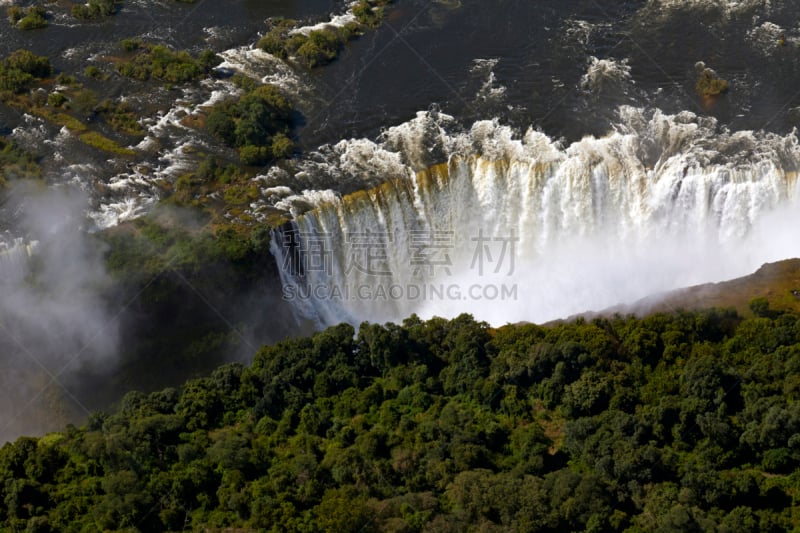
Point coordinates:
pixel 665 201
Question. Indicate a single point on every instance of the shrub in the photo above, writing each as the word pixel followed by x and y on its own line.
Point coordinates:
pixel 244 83
pixel 282 146
pixel 257 124
pixel 274 42
pixel 83 102
pixel 253 155
pixel 21 69
pixel 56 99
pixel 130 45
pixel 162 63
pixel 15 14
pixel 208 60
pixel 367 15
pixel 93 72
pixel 34 19
pixel 38 97
pixel 350 31
pixel 321 47
pixel 16 162
pixel 94 9
pixel 28 62
pixel 295 41
pixel 120 117
pixel 710 84
pixel 15 81
pixel 778 460
pixel 220 123
pixel 759 307
pixel 65 79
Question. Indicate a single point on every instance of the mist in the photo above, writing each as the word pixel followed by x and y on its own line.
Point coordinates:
pixel 660 203
pixel 55 315
pixel 593 274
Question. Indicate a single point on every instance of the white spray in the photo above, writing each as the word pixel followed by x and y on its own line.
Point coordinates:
pixel 525 229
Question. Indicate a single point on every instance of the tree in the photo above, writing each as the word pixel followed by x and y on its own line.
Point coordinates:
pixel 321 47
pixel 759 307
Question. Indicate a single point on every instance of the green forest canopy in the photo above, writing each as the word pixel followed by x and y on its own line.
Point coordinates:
pixel 675 422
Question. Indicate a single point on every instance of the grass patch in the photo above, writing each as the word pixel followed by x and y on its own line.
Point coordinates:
pixel 96 140
pixel 59 119
pixel 120 116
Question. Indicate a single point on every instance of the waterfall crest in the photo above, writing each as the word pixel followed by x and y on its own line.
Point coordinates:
pixel 662 202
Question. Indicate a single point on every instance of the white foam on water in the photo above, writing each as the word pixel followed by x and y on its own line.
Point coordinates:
pixel 336 21
pixel 767 38
pixel 257 64
pixel 662 202
pixel 602 72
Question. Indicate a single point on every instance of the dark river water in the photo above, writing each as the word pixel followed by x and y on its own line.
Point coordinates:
pixel 426 54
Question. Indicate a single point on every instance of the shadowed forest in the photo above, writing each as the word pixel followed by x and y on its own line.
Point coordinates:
pixel 675 422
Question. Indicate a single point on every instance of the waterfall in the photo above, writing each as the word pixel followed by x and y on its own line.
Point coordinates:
pixel 15 258
pixel 525 229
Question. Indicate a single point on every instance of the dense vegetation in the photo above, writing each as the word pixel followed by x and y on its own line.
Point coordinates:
pixel 225 191
pixel 199 283
pixel 152 244
pixel 257 124
pixel 317 48
pixel 321 46
pixel 15 162
pixel 68 105
pixel 160 62
pixel 679 422
pixel 94 9
pixel 120 117
pixel 370 12
pixel 30 18
pixel 21 70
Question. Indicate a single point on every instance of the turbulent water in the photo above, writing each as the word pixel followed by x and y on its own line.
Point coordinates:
pixel 564 67
pixel 527 229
